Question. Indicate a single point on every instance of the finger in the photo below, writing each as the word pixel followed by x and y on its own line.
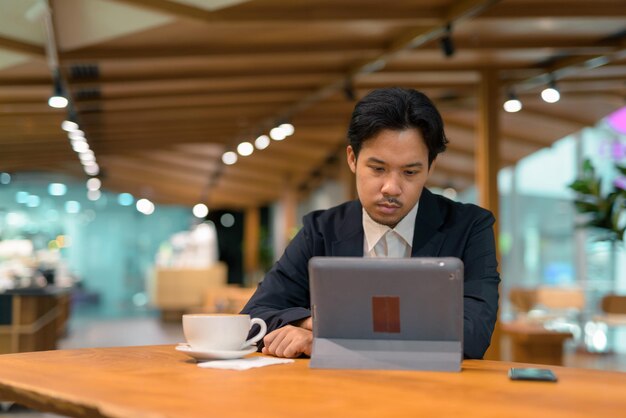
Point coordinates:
pixel 267 340
pixel 308 347
pixel 276 342
pixel 284 343
pixel 293 350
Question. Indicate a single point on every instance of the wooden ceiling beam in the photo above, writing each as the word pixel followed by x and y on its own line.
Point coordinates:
pixel 176 9
pixel 557 9
pixel 541 112
pixel 218 200
pixel 271 13
pixel 123 183
pixel 415 14
pixel 229 186
pixel 192 127
pixel 264 163
pixel 237 52
pixel 192 99
pixel 517 136
pixel 176 115
pixel 567 66
pixel 147 142
pixel 138 166
pixel 217 52
pixel 22 47
pixel 197 80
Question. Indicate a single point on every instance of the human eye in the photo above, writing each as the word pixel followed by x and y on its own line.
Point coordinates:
pixel 377 168
pixel 410 172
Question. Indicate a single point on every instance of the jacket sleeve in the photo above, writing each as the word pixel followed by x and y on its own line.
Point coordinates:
pixel 480 299
pixel 283 295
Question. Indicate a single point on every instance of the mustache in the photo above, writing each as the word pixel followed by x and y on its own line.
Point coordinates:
pixel 390 200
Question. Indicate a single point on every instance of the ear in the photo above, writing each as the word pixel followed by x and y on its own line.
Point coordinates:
pixel 351 156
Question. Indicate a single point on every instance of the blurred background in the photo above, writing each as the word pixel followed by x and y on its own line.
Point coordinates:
pixel 156 157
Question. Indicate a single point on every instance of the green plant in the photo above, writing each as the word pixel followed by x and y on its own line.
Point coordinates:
pixel 606 211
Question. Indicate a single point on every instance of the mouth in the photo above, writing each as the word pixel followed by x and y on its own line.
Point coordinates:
pixel 388 208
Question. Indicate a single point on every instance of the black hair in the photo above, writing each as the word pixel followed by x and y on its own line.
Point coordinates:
pixel 397 109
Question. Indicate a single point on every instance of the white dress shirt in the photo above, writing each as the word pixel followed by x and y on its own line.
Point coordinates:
pixel 382 241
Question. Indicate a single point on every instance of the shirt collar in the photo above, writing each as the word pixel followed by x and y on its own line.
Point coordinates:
pixel 375 231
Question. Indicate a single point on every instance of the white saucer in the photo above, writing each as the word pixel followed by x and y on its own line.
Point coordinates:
pixel 203 355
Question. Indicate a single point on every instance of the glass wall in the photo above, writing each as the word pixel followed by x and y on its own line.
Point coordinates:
pixel 542 242
pixel 105 244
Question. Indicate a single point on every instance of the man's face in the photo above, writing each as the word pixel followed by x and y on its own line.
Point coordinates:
pixel 391 170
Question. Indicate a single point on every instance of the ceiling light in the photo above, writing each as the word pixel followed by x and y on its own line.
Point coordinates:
pixel 145 206
pixel 69 126
pixel 551 94
pixel 513 104
pixel 245 148
pixel 287 129
pixel 277 134
pixel 262 142
pixel 92 169
pixel 94 183
pixel 57 100
pixel 93 195
pixel 76 135
pixel 229 158
pixel 80 147
pixel 200 210
pixel 86 157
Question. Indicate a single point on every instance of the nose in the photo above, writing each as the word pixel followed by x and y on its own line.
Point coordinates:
pixel 391 186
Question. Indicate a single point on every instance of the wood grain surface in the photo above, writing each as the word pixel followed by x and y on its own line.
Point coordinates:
pixel 157 381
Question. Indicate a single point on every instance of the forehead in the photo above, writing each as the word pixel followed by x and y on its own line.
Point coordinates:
pixel 397 147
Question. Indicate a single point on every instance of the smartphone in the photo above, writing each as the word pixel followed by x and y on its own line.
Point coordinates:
pixel 540 375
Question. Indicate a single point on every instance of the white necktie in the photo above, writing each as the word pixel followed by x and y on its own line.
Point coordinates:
pixel 395 244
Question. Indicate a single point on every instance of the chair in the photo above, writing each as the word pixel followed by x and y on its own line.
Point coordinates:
pixel 614 310
pixel 227 299
pixel 546 318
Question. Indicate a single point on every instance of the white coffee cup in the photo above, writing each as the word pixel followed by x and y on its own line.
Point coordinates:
pixel 221 331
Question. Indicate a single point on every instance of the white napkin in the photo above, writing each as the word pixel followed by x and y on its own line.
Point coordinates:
pixel 243 363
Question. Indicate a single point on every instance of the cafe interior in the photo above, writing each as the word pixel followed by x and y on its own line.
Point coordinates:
pixel 157 156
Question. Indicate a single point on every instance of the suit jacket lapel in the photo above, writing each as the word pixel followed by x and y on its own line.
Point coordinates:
pixel 350 235
pixel 427 239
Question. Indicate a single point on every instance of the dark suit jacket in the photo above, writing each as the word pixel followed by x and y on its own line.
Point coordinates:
pixel 443 228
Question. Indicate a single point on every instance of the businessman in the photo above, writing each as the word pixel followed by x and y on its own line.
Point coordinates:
pixel 394 138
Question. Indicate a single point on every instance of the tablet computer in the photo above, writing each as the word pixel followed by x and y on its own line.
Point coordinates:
pixel 387 313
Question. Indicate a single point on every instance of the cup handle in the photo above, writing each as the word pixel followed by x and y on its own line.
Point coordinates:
pixel 257 337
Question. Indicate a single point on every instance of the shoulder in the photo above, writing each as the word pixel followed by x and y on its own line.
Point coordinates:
pixel 334 218
pixel 455 213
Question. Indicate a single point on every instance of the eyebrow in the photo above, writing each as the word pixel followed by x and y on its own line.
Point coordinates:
pixel 416 164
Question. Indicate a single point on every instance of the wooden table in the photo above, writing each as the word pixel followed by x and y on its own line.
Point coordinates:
pixel 33 319
pixel 532 343
pixel 157 381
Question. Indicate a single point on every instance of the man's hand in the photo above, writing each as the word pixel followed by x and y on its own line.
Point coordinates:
pixel 289 341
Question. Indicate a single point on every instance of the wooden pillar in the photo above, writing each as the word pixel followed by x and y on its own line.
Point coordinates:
pixel 487 164
pixel 284 220
pixel 251 240
pixel 290 209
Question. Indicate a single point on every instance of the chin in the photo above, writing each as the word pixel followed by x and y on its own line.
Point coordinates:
pixel 387 221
